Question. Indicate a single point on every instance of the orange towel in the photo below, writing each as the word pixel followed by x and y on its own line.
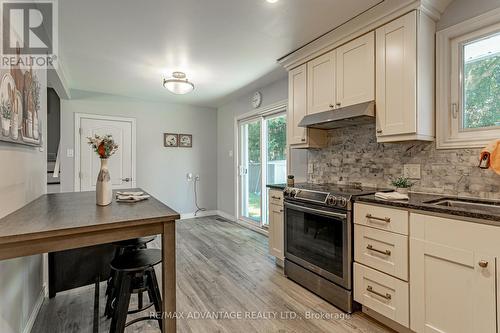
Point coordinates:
pixel 490 156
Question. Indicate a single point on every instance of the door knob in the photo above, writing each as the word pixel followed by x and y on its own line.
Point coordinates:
pixel 126 180
pixel 483 263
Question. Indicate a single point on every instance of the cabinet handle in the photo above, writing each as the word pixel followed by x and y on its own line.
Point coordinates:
pixel 331 106
pixel 281 210
pixel 275 197
pixel 303 140
pixel 379 131
pixel 338 104
pixel 371 248
pixel 386 296
pixel 385 219
pixel 483 263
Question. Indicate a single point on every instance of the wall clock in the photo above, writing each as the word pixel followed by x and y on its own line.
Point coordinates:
pixel 257 99
pixel 170 140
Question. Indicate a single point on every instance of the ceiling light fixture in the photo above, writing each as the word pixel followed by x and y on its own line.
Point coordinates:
pixel 178 84
pixel 272 1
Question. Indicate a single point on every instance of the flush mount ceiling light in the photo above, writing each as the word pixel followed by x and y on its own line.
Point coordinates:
pixel 178 84
pixel 272 1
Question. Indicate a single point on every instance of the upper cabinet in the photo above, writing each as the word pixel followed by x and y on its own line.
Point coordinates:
pixel 321 83
pixel 297 104
pixel 356 71
pixel 405 79
pixel 300 137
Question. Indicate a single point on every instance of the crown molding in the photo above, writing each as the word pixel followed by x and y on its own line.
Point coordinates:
pixel 370 20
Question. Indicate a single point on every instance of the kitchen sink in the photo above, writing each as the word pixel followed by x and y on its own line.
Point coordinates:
pixel 490 206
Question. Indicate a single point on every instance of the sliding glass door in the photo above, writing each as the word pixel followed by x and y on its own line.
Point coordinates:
pixel 262 161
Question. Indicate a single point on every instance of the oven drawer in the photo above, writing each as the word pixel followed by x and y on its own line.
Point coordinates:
pixel 389 219
pixel 382 293
pixel 276 197
pixel 382 250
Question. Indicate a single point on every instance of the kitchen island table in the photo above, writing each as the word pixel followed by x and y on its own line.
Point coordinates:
pixel 63 221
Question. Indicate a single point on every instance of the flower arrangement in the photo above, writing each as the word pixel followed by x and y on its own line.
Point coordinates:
pixel 6 109
pixel 402 182
pixel 104 146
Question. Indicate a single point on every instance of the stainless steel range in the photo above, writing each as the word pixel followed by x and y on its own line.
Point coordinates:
pixel 319 237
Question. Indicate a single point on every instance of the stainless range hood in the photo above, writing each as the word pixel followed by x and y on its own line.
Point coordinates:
pixel 363 113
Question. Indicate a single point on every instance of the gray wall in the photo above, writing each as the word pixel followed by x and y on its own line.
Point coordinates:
pixel 461 10
pixel 23 178
pixel 353 155
pixel 160 171
pixel 226 114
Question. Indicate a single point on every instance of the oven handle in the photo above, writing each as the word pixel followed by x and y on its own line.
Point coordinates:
pixel 315 211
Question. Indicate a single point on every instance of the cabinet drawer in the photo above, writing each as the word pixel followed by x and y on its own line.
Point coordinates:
pixel 382 293
pixel 276 197
pixel 389 219
pixel 382 250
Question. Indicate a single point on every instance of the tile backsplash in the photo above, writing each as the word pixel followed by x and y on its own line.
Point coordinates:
pixel 353 155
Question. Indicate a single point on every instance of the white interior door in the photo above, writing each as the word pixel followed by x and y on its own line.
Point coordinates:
pixel 121 164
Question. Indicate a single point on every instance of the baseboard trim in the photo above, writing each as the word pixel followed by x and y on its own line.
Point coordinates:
pixel 34 313
pixel 200 214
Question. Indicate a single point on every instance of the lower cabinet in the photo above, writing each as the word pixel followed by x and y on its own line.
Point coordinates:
pixel 453 282
pixel 382 293
pixel 276 225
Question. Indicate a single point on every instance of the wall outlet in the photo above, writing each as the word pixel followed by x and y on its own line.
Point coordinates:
pixel 70 152
pixel 412 171
pixel 230 153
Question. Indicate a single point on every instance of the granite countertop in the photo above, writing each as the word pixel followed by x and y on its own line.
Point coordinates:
pixel 277 186
pixel 419 201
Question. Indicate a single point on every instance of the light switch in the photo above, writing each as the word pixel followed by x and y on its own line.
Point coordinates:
pixel 70 152
pixel 230 153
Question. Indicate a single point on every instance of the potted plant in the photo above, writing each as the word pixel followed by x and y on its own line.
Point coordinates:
pixel 6 111
pixel 402 184
pixel 104 147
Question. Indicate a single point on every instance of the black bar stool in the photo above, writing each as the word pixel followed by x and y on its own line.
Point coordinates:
pixel 123 247
pixel 135 273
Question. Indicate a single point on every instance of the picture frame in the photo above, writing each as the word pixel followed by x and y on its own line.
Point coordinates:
pixel 170 140
pixel 186 140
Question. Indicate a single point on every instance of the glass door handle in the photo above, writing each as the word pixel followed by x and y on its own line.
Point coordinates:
pixel 126 180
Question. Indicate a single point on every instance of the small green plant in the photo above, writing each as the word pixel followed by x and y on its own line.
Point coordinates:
pixel 6 109
pixel 402 182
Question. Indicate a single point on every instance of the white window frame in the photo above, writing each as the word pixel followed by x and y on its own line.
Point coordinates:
pixel 449 86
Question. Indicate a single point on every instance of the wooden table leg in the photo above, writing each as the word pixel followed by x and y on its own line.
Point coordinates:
pixel 168 278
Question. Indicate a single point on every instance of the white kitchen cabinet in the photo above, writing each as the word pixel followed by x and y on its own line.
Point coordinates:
pixel 276 225
pixel 405 79
pixel 452 275
pixel 321 83
pixel 355 74
pixel 300 137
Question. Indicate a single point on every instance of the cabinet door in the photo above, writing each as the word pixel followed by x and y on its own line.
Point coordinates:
pixel 396 66
pixel 321 83
pixel 297 104
pixel 452 290
pixel 276 231
pixel 356 71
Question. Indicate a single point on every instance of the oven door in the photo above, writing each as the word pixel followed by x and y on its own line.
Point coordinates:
pixel 319 239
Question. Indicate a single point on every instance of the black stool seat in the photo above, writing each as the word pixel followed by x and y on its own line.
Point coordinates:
pixel 136 242
pixel 137 260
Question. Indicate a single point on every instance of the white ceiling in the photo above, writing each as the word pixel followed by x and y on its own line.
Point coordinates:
pixel 125 47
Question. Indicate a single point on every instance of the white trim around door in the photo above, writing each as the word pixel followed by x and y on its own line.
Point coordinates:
pixel 77 166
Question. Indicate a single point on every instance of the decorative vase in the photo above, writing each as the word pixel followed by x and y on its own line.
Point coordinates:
pixel 402 190
pixel 104 192
pixel 14 127
pixel 5 126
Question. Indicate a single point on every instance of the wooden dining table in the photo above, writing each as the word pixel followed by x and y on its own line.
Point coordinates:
pixel 63 221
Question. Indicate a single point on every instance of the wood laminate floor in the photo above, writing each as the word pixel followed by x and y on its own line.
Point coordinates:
pixel 224 272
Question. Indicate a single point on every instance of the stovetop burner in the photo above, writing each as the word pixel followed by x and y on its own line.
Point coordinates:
pixel 331 195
